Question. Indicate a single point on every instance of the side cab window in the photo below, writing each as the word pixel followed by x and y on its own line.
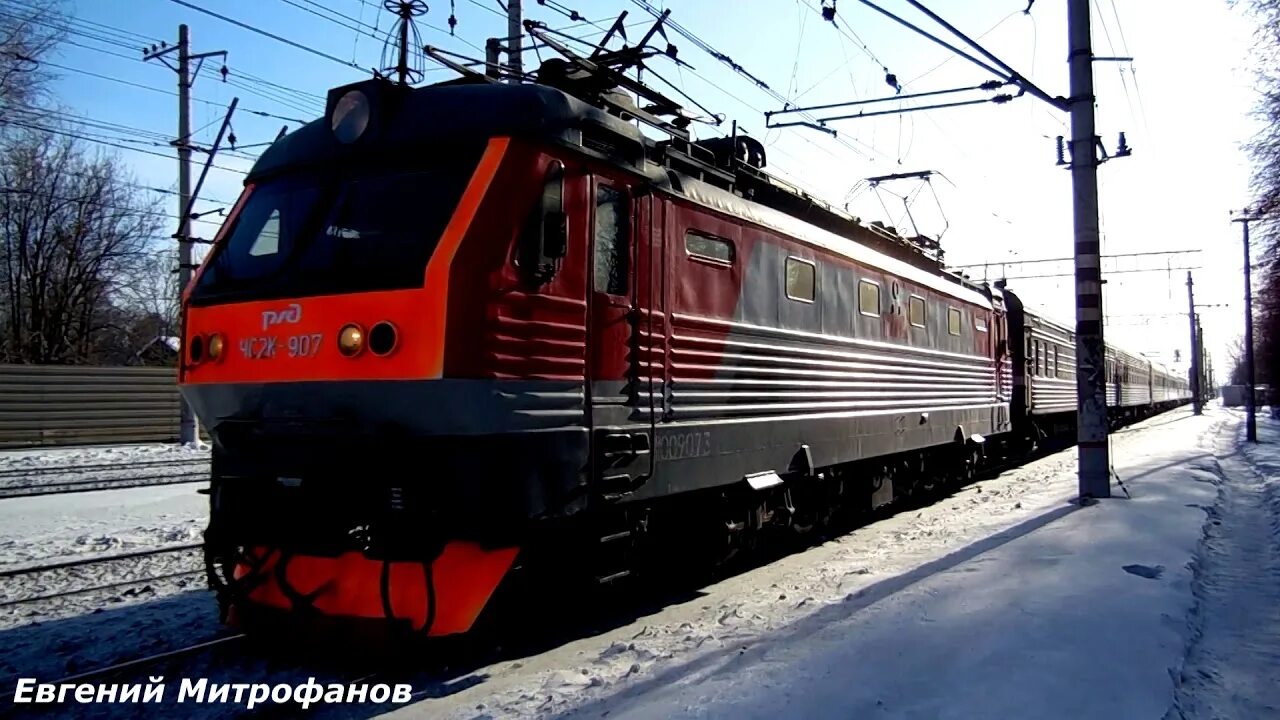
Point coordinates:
pixel 545 238
pixel 611 240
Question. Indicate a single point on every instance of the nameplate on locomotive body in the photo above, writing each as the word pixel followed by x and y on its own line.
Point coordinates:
pixel 269 347
pixel 683 445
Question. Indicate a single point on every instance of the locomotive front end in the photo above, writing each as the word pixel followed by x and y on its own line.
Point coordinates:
pixel 368 465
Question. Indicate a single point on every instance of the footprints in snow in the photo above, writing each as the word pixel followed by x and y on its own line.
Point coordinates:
pixel 1145 571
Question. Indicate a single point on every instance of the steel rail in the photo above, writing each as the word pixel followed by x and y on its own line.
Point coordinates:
pixel 92 484
pixel 80 562
pixel 95 467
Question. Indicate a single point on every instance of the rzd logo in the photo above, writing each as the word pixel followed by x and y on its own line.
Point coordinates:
pixel 291 314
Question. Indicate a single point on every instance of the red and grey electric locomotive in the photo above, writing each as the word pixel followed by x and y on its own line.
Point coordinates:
pixel 444 324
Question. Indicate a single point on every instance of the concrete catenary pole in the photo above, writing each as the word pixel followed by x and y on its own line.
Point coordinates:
pixel 1196 397
pixel 515 30
pixel 1091 391
pixel 1250 410
pixel 188 430
pixel 1203 376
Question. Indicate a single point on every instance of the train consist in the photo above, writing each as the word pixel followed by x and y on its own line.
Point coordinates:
pixel 453 330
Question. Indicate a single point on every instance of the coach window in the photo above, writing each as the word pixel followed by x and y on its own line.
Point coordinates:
pixel 1056 367
pixel 800 279
pixel 611 244
pixel 915 310
pixel 980 323
pixel 702 246
pixel 868 298
pixel 953 321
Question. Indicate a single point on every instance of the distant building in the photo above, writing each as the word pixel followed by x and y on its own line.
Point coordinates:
pixel 1235 395
pixel 162 350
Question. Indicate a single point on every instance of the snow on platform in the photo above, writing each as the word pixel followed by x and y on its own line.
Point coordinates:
pixel 1233 660
pixel 1005 600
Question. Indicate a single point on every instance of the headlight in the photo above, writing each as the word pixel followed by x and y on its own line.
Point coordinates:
pixel 216 345
pixel 350 117
pixel 351 340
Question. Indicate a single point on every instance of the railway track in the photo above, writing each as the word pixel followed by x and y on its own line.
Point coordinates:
pixel 59 487
pixel 60 581
pixel 75 469
pixel 139 668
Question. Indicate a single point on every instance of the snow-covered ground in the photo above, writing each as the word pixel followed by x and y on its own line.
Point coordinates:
pixel 1233 661
pixel 47 529
pixel 63 457
pixel 43 529
pixel 1004 600
pixel 26 472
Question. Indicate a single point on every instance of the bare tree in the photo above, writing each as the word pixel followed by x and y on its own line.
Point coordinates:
pixel 27 33
pixel 149 300
pixel 1264 149
pixel 79 279
pixel 73 234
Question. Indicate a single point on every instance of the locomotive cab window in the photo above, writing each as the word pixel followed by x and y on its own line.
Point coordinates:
pixel 611 241
pixel 703 246
pixel 268 240
pixel 350 229
pixel 801 276
pixel 953 321
pixel 868 298
pixel 545 238
pixel 915 310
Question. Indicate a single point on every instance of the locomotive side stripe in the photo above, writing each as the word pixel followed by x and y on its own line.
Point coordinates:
pixel 756 372
pixel 826 339
pixel 436 298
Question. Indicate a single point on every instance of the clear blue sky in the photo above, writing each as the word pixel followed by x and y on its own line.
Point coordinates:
pixel 1183 110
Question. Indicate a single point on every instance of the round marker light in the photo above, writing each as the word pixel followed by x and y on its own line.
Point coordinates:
pixel 382 338
pixel 216 346
pixel 195 348
pixel 351 340
pixel 350 117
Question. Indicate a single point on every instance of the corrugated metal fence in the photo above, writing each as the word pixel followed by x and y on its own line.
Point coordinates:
pixel 46 405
